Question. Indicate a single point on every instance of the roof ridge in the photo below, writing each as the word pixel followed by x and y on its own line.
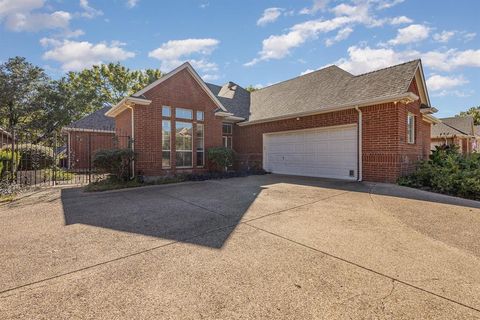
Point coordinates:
pixel 389 67
pixel 303 75
pixel 456 129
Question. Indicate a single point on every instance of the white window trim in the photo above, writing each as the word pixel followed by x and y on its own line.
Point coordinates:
pixel 169 150
pixel 203 147
pixel 177 117
pixel 411 131
pixel 229 125
pixel 169 111
pixel 176 150
pixel 226 137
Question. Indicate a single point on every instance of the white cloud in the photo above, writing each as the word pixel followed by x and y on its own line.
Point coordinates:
pixel 385 4
pixel 76 55
pixel 210 77
pixel 365 59
pixel 451 59
pixel 437 82
pixel 18 15
pixel 443 36
pixel 457 93
pixel 316 6
pixel 269 15
pixel 346 16
pixel 400 20
pixel 88 11
pixel 174 52
pixel 468 36
pixel 412 33
pixel 132 3
pixel 341 35
pixel 307 71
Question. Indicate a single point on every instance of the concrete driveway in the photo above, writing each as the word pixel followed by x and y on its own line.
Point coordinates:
pixel 266 247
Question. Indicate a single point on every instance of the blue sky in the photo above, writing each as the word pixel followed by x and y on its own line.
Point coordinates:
pixel 254 42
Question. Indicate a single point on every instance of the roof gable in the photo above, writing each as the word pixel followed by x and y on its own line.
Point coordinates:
pixel 461 124
pixel 198 79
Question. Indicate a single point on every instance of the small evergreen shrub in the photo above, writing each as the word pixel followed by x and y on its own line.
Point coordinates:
pixel 448 171
pixel 116 162
pixel 32 156
pixel 220 157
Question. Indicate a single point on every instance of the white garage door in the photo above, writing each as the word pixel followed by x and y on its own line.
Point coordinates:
pixel 322 152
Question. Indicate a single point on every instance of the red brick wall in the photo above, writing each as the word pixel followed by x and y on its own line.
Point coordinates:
pixel 82 146
pixel 248 140
pixel 179 91
pixel 123 127
pixel 385 155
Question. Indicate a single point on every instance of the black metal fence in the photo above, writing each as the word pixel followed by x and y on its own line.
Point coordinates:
pixel 65 158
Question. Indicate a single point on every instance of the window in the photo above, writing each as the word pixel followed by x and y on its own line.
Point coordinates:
pixel 183 144
pixel 200 145
pixel 166 112
pixel 183 113
pixel 200 116
pixel 166 146
pixel 227 142
pixel 227 128
pixel 411 128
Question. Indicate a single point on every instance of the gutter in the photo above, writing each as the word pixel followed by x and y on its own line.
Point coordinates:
pixel 359 145
pixel 124 103
pixel 132 119
pixel 405 97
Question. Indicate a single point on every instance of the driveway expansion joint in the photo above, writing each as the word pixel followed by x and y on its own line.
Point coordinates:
pixel 369 270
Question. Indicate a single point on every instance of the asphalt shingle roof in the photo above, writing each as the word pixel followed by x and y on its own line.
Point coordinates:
pixel 95 121
pixel 454 126
pixel 233 97
pixel 329 88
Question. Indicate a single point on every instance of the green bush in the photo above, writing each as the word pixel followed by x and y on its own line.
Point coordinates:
pixel 33 156
pixel 448 172
pixel 220 157
pixel 6 162
pixel 115 162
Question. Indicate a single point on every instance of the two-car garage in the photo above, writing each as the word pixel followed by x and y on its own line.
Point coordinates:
pixel 330 152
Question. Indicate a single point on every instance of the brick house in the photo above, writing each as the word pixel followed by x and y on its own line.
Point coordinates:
pixel 86 136
pixel 459 131
pixel 328 123
pixel 5 137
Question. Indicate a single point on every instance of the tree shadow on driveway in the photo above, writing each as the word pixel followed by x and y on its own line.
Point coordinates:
pixel 183 212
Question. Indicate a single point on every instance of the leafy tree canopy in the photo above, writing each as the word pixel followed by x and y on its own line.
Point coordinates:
pixel 251 88
pixel 474 112
pixel 21 87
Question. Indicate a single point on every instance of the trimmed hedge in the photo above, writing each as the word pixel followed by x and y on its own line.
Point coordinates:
pixel 449 172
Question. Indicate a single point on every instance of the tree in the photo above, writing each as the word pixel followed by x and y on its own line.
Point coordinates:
pixel 107 84
pixel 21 84
pixel 251 88
pixel 474 112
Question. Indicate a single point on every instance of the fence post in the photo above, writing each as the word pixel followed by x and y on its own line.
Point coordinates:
pixel 12 160
pixel 89 157
pixel 54 158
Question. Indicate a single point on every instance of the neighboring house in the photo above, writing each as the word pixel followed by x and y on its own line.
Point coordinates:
pixel 86 136
pixel 5 137
pixel 456 130
pixel 328 123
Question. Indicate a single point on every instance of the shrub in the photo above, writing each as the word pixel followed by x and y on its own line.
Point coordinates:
pixel 220 157
pixel 448 172
pixel 33 156
pixel 6 162
pixel 115 162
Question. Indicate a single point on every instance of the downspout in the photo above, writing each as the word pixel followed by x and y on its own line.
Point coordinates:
pixel 359 144
pixel 132 120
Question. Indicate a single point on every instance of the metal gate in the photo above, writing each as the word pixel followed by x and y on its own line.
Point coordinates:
pixel 63 159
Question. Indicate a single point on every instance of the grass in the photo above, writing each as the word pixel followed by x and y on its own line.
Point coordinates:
pixel 60 174
pixel 7 198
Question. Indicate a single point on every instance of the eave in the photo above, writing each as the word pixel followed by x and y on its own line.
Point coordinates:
pixel 124 104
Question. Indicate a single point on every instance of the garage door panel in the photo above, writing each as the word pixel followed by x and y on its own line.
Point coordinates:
pixel 324 152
